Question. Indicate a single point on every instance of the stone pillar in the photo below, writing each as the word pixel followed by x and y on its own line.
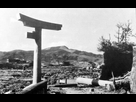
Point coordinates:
pixel 37 57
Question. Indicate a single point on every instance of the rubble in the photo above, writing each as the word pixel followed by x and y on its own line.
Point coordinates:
pixel 122 84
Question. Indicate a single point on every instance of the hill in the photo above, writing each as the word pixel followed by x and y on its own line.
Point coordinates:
pixel 59 53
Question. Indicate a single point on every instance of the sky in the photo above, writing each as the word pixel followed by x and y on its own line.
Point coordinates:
pixel 81 27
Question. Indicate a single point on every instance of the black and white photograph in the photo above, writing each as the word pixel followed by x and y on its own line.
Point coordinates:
pixel 67 50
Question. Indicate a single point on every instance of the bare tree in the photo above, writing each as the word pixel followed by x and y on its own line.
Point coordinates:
pixel 124 32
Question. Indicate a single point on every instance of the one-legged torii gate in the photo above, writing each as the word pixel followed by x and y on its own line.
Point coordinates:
pixel 36 35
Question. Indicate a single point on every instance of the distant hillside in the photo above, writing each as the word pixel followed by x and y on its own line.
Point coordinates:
pixel 59 53
pixel 27 55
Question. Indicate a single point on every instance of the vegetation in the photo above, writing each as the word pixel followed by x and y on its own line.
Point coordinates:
pixel 122 44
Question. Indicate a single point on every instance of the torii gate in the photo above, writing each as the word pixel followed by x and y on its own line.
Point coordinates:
pixel 36 35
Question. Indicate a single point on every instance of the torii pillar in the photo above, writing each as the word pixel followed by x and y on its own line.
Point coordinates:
pixel 36 35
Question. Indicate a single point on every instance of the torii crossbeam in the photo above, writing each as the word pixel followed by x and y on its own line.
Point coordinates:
pixel 36 35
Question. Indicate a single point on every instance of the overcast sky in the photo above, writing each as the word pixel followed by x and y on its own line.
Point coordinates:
pixel 82 27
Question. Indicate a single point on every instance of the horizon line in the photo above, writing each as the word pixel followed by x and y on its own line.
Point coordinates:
pixel 48 48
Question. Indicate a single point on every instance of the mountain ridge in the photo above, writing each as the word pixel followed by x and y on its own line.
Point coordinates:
pixel 60 53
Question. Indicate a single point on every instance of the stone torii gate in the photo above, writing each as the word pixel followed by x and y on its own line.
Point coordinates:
pixel 36 35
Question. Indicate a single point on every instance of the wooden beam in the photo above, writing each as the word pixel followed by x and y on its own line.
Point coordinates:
pixel 31 35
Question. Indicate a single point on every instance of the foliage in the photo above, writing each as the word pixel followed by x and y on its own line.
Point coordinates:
pixel 122 44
